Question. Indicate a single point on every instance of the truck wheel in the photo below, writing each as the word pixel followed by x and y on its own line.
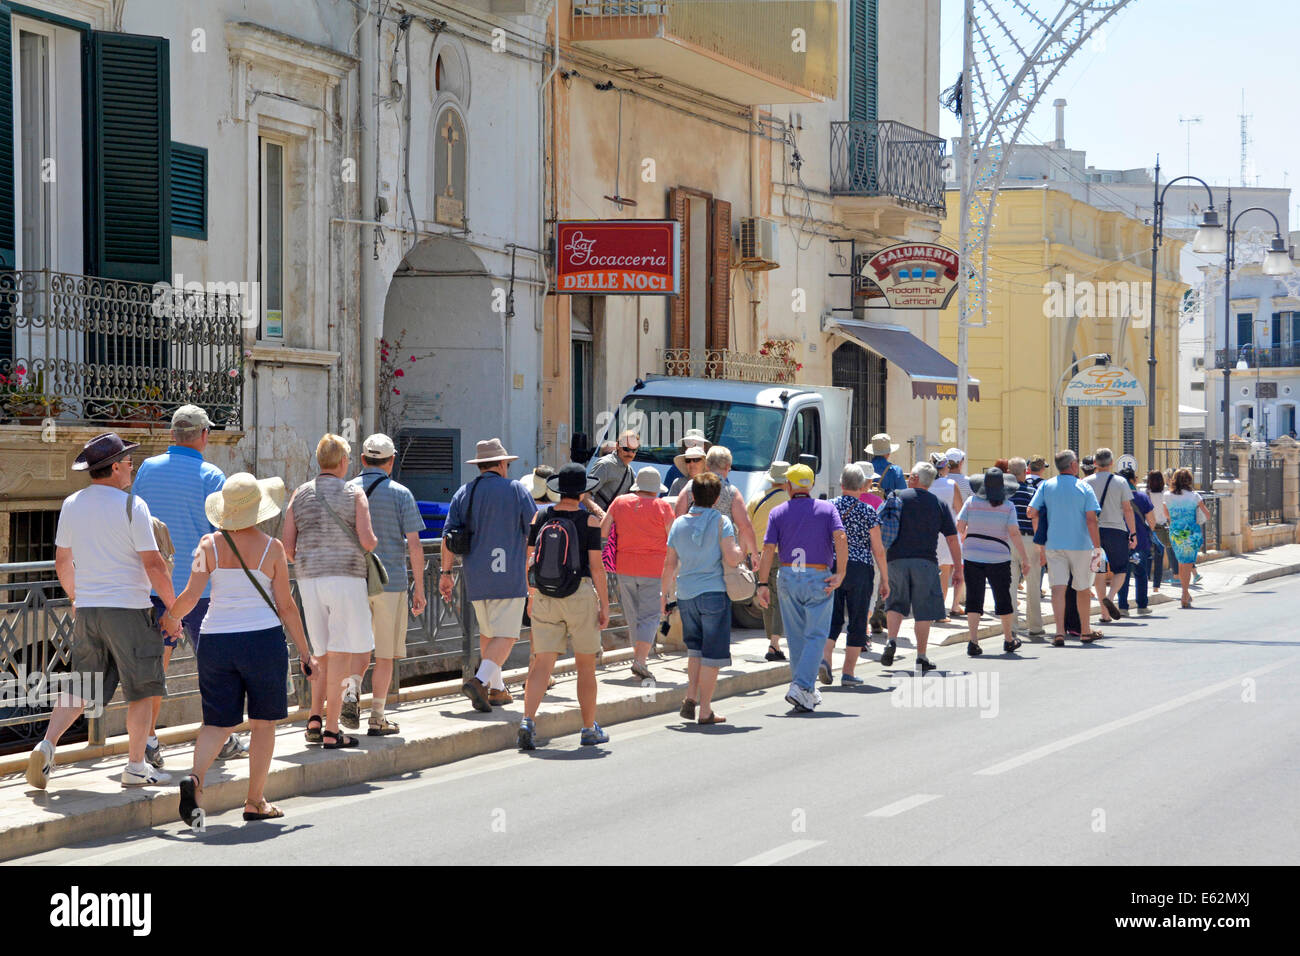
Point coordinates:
pixel 746 614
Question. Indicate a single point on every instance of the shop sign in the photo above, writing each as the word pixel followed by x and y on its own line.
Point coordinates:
pixel 618 257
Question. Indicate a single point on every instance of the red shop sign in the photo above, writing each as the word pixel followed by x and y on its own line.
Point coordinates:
pixel 619 256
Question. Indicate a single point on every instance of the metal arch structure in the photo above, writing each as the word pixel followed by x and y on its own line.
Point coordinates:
pixel 1011 54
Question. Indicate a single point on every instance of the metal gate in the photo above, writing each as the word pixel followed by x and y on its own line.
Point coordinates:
pixel 1265 501
pixel 863 373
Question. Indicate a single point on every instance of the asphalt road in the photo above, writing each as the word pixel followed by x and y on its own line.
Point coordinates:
pixel 1174 741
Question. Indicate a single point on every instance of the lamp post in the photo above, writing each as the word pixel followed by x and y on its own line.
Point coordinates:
pixel 1277 262
pixel 1100 358
pixel 1210 238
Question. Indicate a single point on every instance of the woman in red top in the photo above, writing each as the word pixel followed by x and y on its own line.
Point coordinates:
pixel 642 519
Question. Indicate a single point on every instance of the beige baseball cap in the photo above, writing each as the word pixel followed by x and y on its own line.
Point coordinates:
pixel 378 445
pixel 190 416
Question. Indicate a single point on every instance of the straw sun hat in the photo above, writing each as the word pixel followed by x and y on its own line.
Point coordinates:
pixel 244 501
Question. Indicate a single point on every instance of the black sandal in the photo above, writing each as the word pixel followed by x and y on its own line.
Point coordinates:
pixel 313 734
pixel 192 814
pixel 1011 646
pixel 274 814
pixel 774 653
pixel 333 740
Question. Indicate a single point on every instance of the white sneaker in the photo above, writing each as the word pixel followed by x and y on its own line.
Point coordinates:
pixel 39 765
pixel 148 777
pixel 816 696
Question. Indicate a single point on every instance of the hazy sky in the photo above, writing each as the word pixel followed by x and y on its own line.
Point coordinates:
pixel 1157 60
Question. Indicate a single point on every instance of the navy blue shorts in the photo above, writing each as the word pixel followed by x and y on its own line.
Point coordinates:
pixel 706 627
pixel 1115 543
pixel 190 622
pixel 239 665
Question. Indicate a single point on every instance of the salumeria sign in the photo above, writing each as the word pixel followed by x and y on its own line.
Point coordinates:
pixel 619 256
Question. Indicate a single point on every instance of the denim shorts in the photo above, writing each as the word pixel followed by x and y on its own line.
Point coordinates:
pixel 914 587
pixel 706 627
pixel 243 664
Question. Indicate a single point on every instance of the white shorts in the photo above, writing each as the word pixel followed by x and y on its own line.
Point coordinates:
pixel 501 617
pixel 1061 565
pixel 337 609
pixel 943 553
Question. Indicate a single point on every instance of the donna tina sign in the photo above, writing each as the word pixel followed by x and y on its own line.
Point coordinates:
pixel 1100 385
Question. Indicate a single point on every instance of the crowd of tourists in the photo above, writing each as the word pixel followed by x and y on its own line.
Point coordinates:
pixel 549 552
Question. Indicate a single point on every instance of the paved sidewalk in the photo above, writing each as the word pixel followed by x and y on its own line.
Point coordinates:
pixel 85 799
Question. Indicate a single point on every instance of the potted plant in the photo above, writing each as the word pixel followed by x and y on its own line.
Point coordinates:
pixel 24 399
pixel 781 353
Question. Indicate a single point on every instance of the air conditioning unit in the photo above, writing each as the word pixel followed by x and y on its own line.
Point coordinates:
pixel 1198 362
pixel 758 244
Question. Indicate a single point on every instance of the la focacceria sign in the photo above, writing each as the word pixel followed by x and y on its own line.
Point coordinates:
pixel 619 256
pixel 1104 385
pixel 914 275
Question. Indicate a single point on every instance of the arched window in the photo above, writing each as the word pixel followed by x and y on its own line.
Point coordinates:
pixel 450 150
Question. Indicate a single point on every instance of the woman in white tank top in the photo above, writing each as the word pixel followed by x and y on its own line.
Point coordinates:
pixel 243 658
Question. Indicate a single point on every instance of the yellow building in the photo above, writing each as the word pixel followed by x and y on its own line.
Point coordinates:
pixel 1067 280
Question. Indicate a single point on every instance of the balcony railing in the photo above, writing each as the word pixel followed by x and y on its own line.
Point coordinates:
pixel 84 350
pixel 738 49
pixel 1276 356
pixel 889 159
pixel 724 363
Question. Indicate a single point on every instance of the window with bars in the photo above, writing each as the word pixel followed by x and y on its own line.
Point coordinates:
pixel 1072 428
pixel 1130 441
pixel 31 538
pixel 863 373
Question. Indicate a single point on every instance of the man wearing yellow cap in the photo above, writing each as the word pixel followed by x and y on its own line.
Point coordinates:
pixel 808 536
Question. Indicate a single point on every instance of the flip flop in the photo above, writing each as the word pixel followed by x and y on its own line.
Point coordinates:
pixel 1090 636
pixel 713 719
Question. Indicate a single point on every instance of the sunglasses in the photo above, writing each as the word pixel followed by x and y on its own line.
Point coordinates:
pixel 630 451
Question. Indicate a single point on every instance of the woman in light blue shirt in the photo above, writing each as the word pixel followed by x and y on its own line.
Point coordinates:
pixel 989 530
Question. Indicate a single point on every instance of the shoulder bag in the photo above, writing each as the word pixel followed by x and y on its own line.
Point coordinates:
pixel 459 540
pixel 741 580
pixel 376 576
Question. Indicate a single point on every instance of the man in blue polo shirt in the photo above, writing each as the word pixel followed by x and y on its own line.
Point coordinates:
pixel 890 475
pixel 175 485
pixel 1073 540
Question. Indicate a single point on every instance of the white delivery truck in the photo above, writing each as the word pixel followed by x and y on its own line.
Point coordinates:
pixel 760 423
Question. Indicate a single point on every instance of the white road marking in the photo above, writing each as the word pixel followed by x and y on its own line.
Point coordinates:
pixel 783 852
pixel 902 806
pixel 1047 750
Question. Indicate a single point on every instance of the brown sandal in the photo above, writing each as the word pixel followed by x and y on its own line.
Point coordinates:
pixel 713 719
pixel 1090 637
pixel 265 811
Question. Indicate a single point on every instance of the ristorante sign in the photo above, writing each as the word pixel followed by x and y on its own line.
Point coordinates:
pixel 1104 385
pixel 913 275
pixel 619 256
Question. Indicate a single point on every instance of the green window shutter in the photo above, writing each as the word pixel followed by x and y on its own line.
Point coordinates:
pixel 863 59
pixel 8 258
pixel 189 190
pixel 128 157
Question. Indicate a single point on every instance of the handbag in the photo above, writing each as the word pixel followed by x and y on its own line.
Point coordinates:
pixel 306 668
pixel 458 540
pixel 741 580
pixel 376 575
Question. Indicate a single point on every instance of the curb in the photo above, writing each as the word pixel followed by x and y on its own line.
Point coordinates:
pixel 134 810
pixel 1277 572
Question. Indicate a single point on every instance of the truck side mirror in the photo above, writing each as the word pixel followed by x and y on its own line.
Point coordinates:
pixel 812 461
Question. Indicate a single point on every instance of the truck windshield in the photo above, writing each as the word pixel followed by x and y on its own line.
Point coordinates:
pixel 749 431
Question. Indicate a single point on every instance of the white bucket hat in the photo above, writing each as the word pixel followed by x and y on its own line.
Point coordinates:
pixel 244 501
pixel 648 480
pixel 868 470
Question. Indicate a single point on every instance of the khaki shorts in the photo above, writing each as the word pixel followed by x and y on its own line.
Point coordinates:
pixel 389 616
pixel 1061 565
pixel 574 617
pixel 124 646
pixel 501 617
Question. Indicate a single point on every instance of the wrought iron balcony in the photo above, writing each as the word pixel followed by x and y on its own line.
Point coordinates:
pixel 890 160
pixel 724 363
pixel 739 50
pixel 1276 356
pixel 84 350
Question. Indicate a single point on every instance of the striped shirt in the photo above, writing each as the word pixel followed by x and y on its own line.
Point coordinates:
pixel 1021 498
pixel 393 515
pixel 175 485
pixel 323 548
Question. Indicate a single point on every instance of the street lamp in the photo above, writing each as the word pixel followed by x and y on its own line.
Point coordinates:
pixel 1211 239
pixel 1277 262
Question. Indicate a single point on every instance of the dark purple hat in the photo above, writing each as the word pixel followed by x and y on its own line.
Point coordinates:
pixel 102 450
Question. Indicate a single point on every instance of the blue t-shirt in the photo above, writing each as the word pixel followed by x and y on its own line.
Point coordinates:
pixel 175 485
pixel 393 515
pixel 694 536
pixel 890 476
pixel 496 566
pixel 1069 500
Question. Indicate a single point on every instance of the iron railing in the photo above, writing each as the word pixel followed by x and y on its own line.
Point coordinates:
pixel 724 363
pixel 1212 530
pixel 80 349
pixel 1264 495
pixel 1203 457
pixel 1275 356
pixel 887 158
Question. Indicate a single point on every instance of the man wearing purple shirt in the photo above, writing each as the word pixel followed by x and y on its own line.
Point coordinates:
pixel 807 535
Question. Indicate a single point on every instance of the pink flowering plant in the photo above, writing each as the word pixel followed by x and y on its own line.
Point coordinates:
pixel 781 351
pixel 22 395
pixel 394 363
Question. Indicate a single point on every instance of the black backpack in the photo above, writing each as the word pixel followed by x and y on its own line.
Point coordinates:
pixel 557 556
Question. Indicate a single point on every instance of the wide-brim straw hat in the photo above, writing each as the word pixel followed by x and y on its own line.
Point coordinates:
pixel 882 444
pixel 680 460
pixel 244 501
pixel 776 474
pixel 486 452
pixel 537 488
